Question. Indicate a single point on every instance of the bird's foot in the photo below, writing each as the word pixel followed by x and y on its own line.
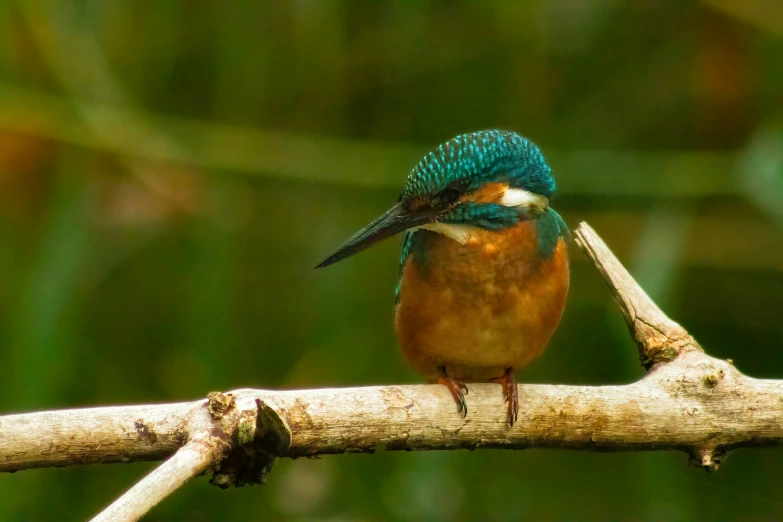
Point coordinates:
pixel 510 394
pixel 457 388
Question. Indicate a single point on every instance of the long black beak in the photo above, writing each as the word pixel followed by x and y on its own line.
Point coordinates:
pixel 395 220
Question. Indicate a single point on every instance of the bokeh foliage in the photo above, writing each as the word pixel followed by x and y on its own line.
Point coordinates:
pixel 171 171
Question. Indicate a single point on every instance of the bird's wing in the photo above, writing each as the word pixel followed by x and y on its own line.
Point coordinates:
pixel 561 225
pixel 407 246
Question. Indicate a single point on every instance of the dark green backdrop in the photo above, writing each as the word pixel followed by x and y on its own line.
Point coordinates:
pixel 170 172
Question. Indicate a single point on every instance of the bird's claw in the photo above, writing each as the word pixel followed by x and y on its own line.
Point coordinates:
pixel 510 394
pixel 458 391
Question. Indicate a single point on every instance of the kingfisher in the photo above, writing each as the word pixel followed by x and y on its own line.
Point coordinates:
pixel 484 270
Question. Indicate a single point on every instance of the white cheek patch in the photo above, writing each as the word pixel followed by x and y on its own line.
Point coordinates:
pixel 514 197
pixel 459 233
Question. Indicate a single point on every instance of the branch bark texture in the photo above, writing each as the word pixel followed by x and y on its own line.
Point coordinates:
pixel 688 401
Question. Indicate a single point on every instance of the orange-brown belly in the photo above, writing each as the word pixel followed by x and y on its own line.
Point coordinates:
pixel 481 307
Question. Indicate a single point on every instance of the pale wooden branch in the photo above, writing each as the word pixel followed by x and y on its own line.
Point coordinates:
pixel 658 338
pixel 688 401
pixel 191 460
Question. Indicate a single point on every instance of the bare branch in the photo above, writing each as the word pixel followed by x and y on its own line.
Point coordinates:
pixel 658 338
pixel 88 436
pixel 193 459
pixel 688 402
pixel 696 403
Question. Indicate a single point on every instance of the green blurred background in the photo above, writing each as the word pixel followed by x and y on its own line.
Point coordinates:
pixel 170 172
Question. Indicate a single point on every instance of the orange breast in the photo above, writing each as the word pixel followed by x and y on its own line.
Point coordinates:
pixel 480 307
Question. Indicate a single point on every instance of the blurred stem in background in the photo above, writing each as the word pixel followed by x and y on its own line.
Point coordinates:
pixel 67 42
pixel 43 349
pixel 760 13
pixel 760 171
pixel 49 291
pixel 210 333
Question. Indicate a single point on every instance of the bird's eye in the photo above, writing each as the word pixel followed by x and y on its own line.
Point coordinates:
pixel 449 196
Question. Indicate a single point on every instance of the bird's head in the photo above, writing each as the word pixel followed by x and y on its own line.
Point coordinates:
pixel 489 180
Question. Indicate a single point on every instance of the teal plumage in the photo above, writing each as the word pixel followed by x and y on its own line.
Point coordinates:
pixel 473 159
pixel 470 160
pixel 407 246
pixel 549 229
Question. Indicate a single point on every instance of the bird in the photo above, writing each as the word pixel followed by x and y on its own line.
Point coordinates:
pixel 484 271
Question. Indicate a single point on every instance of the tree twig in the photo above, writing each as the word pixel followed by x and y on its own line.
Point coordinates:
pixel 688 401
pixel 191 460
pixel 658 338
